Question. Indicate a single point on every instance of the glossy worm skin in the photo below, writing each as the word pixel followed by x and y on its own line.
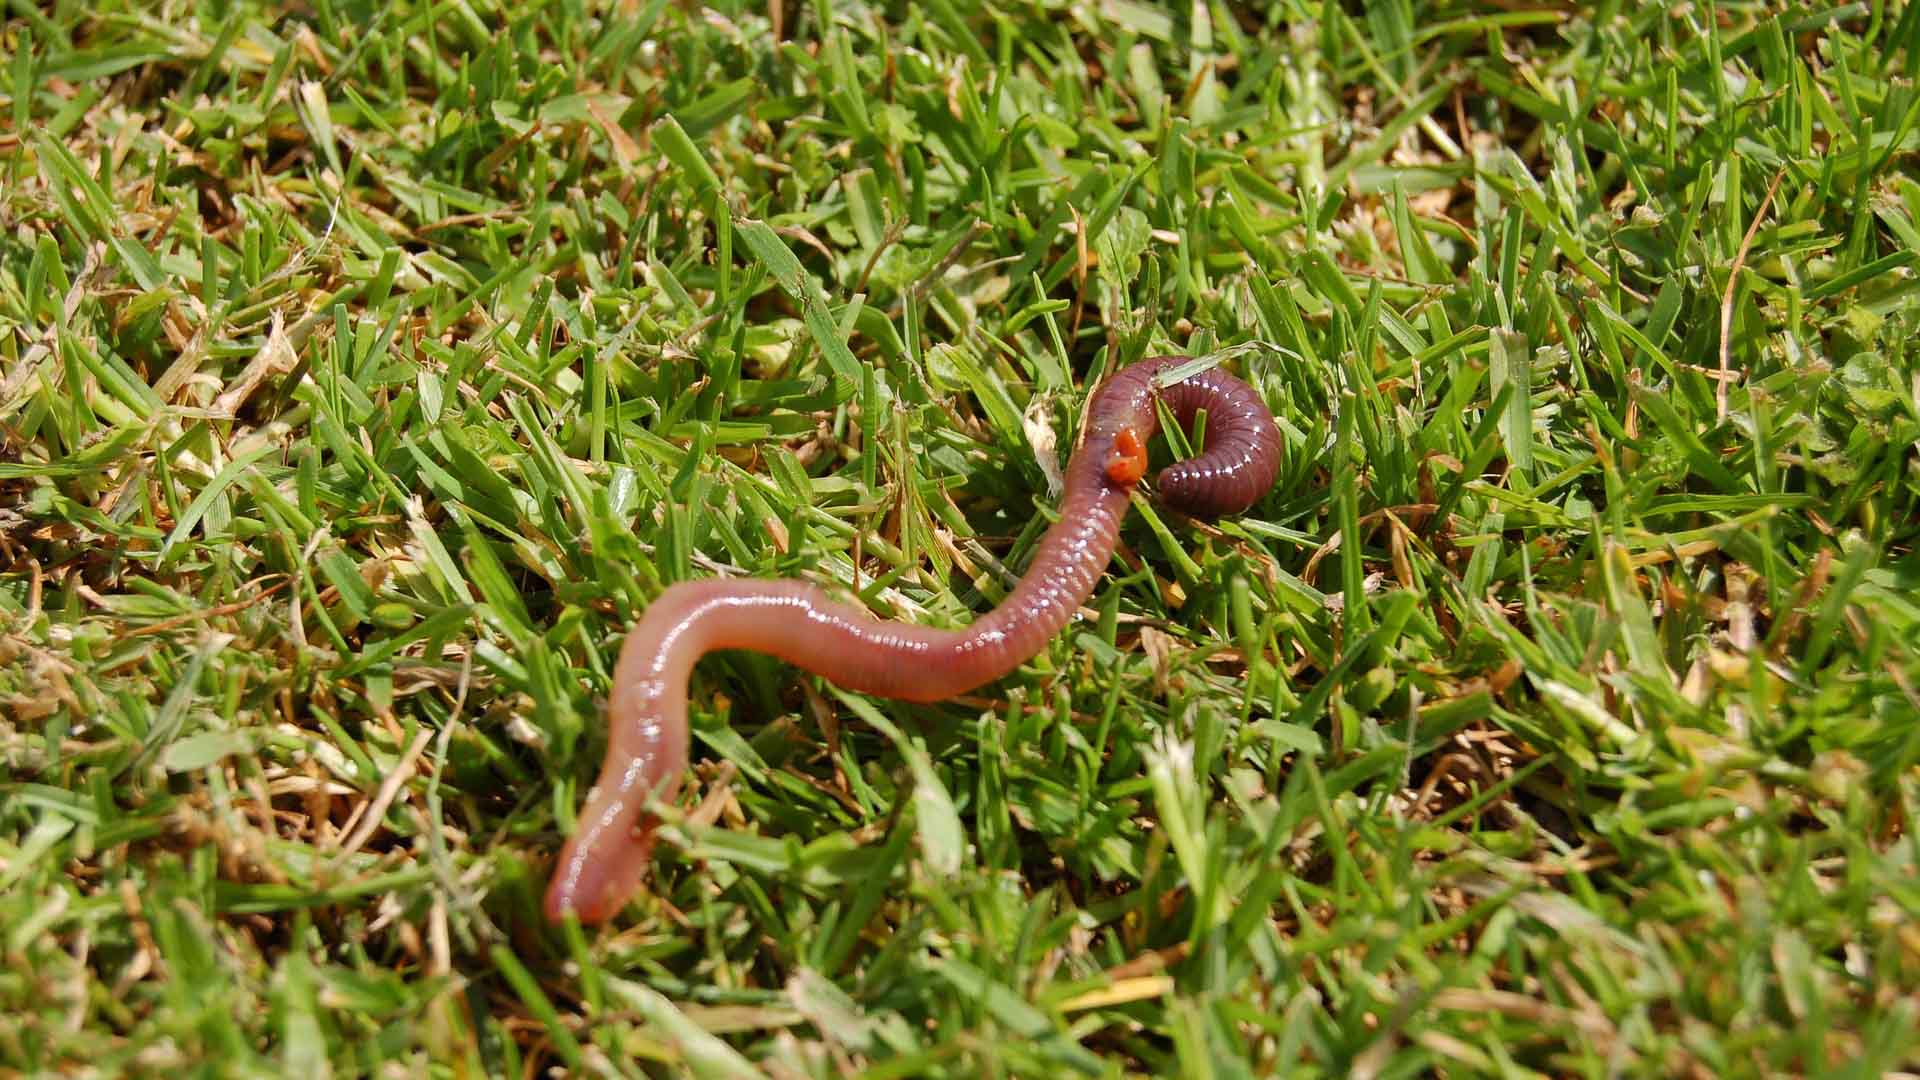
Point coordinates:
pixel 603 862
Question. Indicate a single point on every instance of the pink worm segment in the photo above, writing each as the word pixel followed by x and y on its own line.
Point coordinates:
pixel 603 862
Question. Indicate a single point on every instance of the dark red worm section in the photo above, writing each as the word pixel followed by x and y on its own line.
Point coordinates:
pixel 603 862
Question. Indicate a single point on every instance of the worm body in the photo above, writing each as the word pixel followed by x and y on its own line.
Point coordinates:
pixel 603 862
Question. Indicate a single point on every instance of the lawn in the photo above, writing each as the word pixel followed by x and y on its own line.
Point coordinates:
pixel 365 368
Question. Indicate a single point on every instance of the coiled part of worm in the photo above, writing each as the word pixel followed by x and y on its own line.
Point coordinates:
pixel 603 862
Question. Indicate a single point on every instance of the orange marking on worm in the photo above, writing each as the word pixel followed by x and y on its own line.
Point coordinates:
pixel 1128 462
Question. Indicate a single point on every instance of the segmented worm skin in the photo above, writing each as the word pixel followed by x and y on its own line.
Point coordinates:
pixel 603 862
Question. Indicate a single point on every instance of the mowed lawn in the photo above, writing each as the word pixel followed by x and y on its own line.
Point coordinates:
pixel 366 368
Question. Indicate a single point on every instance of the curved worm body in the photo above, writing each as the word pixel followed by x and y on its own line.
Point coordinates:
pixel 603 862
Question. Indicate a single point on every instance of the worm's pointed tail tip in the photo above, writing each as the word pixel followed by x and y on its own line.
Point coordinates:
pixel 592 882
pixel 560 903
pixel 574 889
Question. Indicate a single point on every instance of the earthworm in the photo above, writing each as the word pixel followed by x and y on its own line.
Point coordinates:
pixel 602 863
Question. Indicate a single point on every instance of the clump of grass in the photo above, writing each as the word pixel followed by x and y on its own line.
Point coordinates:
pixel 365 369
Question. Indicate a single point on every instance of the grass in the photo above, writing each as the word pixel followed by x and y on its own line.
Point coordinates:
pixel 365 369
